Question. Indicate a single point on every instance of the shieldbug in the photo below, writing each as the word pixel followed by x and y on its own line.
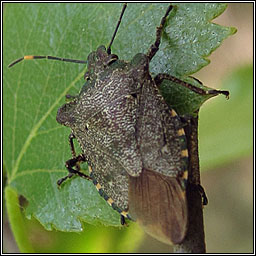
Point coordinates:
pixel 134 143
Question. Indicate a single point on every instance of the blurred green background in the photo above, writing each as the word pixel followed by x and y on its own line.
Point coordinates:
pixel 227 179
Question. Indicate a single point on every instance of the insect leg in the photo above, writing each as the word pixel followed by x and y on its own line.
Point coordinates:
pixel 198 188
pixel 122 219
pixel 71 143
pixel 71 137
pixel 155 47
pixel 74 161
pixel 71 163
pixel 160 77
pixel 203 194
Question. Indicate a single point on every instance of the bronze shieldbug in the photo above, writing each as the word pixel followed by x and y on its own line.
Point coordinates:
pixel 134 143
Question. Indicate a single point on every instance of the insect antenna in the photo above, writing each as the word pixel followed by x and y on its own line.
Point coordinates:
pixel 31 57
pixel 117 26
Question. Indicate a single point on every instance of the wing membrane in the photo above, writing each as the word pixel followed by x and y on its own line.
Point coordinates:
pixel 158 203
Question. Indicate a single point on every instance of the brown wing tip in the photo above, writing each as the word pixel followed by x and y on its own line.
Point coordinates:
pixel 167 236
pixel 159 204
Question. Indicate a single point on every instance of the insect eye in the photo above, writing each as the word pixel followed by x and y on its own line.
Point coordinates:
pixel 111 58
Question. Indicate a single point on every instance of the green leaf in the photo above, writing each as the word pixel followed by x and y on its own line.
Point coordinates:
pixel 35 146
pixel 190 38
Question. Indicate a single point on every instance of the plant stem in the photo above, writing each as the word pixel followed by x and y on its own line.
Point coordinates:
pixel 17 221
pixel 194 241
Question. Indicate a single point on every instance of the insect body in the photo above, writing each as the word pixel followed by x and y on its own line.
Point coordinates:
pixel 131 138
pixel 134 143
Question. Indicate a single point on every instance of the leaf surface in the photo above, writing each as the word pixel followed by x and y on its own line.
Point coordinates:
pixel 35 145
